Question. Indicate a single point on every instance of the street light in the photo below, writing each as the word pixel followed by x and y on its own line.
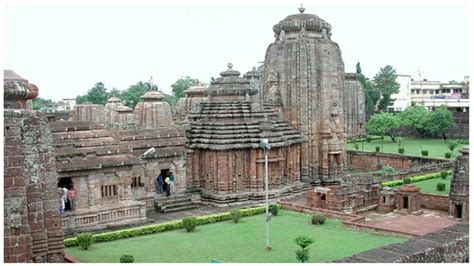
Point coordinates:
pixel 266 147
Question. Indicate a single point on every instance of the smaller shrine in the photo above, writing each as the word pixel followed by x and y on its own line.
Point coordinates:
pixel 408 199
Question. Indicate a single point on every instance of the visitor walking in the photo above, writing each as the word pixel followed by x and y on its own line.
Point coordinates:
pixel 63 199
pixel 71 197
pixel 159 184
pixel 172 186
pixel 167 186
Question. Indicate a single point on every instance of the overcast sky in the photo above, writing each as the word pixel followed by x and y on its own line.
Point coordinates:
pixel 66 48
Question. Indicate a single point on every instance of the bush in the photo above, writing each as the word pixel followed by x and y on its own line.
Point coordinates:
pixel 273 208
pixel 398 182
pixel 447 155
pixel 424 152
pixel 127 259
pixel 368 139
pixel 444 174
pixel 441 186
pixel 356 146
pixel 190 223
pixel 302 255
pixel 452 145
pixel 303 242
pixel 377 148
pixel 401 150
pixel 236 215
pixel 318 219
pixel 156 228
pixel 406 180
pixel 85 240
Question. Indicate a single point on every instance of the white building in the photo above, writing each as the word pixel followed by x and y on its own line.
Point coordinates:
pixel 403 97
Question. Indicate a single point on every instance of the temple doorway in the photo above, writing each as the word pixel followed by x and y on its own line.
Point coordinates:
pixel 405 202
pixel 458 211
pixel 164 173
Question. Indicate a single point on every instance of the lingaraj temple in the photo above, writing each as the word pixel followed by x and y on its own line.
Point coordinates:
pixel 303 102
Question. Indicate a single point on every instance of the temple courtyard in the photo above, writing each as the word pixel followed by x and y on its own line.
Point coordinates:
pixel 241 242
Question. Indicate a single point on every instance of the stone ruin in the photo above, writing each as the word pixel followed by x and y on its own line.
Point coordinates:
pixel 32 225
pixel 459 193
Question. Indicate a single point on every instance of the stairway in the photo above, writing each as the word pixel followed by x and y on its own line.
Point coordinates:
pixel 174 203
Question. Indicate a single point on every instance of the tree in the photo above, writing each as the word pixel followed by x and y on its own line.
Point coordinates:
pixel 383 124
pixel 371 94
pixel 181 85
pixel 416 117
pixel 303 242
pixel 97 95
pixel 41 104
pixel 386 83
pixel 440 120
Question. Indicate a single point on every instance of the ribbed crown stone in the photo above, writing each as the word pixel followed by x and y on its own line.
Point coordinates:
pixel 14 86
pixel 114 100
pixel 296 22
pixel 152 96
pixel 230 83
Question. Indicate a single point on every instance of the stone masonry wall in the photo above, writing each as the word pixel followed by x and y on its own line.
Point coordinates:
pixel 450 245
pixel 369 161
pixel 32 229
pixel 434 202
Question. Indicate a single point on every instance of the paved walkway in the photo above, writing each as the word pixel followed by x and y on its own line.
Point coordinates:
pixel 429 221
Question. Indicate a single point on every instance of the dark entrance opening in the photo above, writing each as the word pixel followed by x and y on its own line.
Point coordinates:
pixel 66 182
pixel 458 210
pixel 164 173
pixel 405 202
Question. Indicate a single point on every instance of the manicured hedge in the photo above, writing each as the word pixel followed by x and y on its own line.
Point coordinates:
pixel 156 228
pixel 414 179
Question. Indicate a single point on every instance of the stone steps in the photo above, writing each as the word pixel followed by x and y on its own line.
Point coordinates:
pixel 174 204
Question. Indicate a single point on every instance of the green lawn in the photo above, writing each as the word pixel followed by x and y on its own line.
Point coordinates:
pixel 413 146
pixel 429 186
pixel 242 242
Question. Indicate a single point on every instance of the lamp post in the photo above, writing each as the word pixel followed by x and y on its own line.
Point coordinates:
pixel 266 147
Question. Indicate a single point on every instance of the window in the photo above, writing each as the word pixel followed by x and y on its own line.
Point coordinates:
pixel 137 182
pixel 109 191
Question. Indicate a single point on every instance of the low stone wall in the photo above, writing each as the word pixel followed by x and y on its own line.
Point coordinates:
pixel 434 202
pixel 370 161
pixel 449 245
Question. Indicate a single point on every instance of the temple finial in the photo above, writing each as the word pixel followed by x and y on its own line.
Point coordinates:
pixel 229 65
pixel 301 9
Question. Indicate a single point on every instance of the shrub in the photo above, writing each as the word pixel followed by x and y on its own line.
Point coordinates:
pixel 368 139
pixel 85 240
pixel 424 152
pixel 401 150
pixel 318 219
pixel 190 223
pixel 444 174
pixel 127 259
pixel 356 146
pixel 406 180
pixel 399 142
pixel 398 182
pixel 273 208
pixel 303 242
pixel 302 255
pixel 236 215
pixel 441 186
pixel 377 148
pixel 447 155
pixel 452 145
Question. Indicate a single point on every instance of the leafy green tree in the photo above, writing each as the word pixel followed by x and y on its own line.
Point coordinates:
pixel 416 117
pixel 181 85
pixel 371 94
pixel 386 83
pixel 41 104
pixel 97 95
pixel 383 124
pixel 441 119
pixel 131 96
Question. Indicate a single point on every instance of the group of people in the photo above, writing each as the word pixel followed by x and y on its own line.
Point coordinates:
pixel 67 195
pixel 165 184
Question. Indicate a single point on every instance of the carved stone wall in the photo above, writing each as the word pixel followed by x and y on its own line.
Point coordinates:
pixel 89 112
pixel 354 106
pixel 304 74
pixel 459 193
pixel 32 228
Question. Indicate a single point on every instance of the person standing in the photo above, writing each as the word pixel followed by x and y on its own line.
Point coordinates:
pixel 167 186
pixel 159 184
pixel 71 197
pixel 63 199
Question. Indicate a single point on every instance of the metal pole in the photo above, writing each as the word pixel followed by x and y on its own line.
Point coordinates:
pixel 266 201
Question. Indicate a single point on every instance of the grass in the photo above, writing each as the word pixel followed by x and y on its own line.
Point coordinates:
pixel 429 186
pixel 242 242
pixel 413 146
